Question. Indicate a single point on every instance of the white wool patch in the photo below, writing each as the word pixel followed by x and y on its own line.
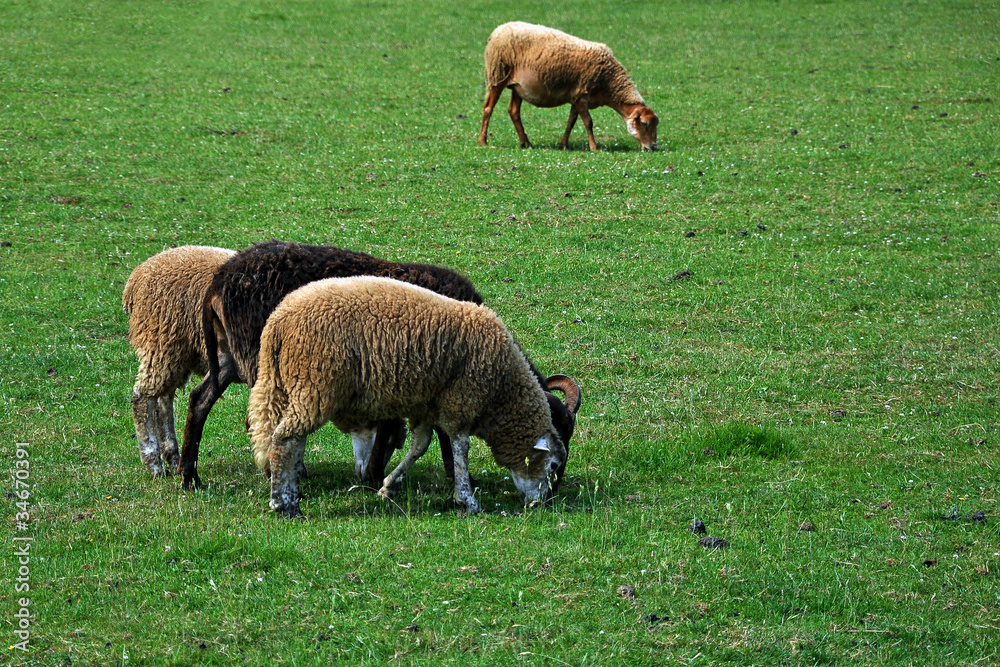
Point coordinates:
pixel 531 489
pixel 632 129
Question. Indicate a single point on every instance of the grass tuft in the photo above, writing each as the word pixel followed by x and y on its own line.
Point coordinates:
pixel 742 439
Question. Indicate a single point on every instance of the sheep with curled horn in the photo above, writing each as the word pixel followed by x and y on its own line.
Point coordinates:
pixel 359 351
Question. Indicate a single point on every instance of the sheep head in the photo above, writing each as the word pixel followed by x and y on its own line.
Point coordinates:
pixel 537 476
pixel 642 124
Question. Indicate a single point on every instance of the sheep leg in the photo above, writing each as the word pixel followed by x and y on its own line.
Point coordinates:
pixel 515 115
pixel 390 436
pixel 285 459
pixel 573 113
pixel 395 438
pixel 144 415
pixel 419 442
pixel 446 453
pixel 581 107
pixel 168 433
pixel 463 484
pixel 492 97
pixel 363 442
pixel 200 403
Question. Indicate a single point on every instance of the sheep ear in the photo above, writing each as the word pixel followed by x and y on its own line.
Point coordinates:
pixel 632 129
pixel 542 445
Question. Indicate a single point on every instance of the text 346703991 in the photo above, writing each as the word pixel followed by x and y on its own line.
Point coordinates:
pixel 22 548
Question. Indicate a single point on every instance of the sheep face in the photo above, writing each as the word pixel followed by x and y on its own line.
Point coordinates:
pixel 563 414
pixel 642 125
pixel 563 421
pixel 539 475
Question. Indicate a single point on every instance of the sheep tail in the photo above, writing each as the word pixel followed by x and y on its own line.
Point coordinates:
pixel 499 56
pixel 128 297
pixel 208 319
pixel 128 302
pixel 268 401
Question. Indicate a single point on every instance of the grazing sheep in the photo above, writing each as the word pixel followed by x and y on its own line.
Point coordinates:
pixel 358 351
pixel 549 68
pixel 165 329
pixel 244 292
pixel 248 288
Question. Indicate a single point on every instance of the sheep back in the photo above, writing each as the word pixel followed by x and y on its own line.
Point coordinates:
pixel 252 284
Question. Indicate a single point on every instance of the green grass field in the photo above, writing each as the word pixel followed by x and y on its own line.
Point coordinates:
pixel 788 314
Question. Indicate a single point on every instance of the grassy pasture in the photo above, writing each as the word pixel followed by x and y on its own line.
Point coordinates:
pixel 789 314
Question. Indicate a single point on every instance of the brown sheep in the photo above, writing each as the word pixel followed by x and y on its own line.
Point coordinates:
pixel 358 351
pixel 549 68
pixel 161 298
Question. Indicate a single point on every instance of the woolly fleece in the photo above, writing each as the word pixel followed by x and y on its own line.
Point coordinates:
pixel 252 284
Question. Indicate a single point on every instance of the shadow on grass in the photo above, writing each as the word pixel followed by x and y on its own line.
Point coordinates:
pixel 580 147
pixel 583 147
pixel 332 490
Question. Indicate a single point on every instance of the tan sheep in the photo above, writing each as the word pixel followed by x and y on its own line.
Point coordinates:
pixel 357 351
pixel 163 298
pixel 549 68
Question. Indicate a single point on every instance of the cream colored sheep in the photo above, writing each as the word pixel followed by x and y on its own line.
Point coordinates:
pixel 163 298
pixel 357 351
pixel 549 68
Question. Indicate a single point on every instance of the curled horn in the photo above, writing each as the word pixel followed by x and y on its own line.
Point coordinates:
pixel 567 386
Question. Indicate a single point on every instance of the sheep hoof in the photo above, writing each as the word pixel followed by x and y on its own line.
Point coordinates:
pixel 385 492
pixel 291 512
pixel 364 476
pixel 472 507
pixel 526 144
pixel 192 481
pixel 286 507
